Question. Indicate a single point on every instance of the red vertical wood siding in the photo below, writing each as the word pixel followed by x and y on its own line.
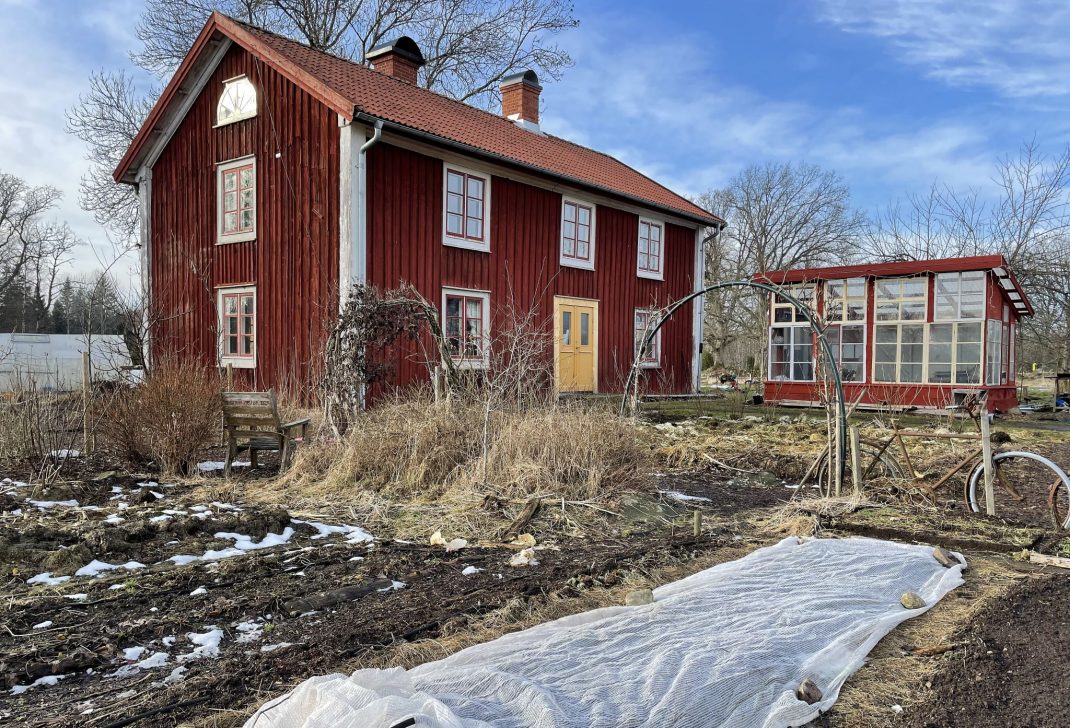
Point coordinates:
pixel 523 269
pixel 294 260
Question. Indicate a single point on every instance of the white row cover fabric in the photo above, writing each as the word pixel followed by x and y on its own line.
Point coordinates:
pixel 724 647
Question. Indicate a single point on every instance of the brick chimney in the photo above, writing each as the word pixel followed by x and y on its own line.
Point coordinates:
pixel 400 59
pixel 520 99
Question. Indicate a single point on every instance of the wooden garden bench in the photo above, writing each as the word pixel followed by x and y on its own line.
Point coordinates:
pixel 251 420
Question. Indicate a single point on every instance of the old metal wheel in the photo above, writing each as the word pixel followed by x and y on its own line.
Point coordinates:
pixel 873 466
pixel 1028 486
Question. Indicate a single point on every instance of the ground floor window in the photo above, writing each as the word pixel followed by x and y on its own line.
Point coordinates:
pixel 645 320
pixel 994 353
pixel 955 353
pixel 899 353
pixel 237 326
pixel 466 325
pixel 848 344
pixel 791 353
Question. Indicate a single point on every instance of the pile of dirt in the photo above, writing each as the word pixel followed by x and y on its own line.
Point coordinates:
pixel 1011 670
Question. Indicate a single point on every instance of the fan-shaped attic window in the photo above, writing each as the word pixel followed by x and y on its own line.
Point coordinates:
pixel 237 102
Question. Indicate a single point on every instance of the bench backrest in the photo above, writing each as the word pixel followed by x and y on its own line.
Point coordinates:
pixel 250 413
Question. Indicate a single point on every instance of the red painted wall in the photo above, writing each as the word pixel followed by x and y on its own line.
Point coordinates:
pixel 405 245
pixel 294 260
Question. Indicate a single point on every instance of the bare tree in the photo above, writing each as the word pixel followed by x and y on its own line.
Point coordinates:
pixel 29 244
pixel 779 216
pixel 469 45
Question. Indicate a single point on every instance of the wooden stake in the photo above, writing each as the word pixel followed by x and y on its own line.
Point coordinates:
pixel 837 470
pixel 990 470
pixel 696 523
pixel 230 377
pixel 87 396
pixel 856 459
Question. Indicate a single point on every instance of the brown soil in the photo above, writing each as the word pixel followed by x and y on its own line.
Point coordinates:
pixel 1012 669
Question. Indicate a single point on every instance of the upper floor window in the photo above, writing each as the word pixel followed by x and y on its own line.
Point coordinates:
pixel 645 320
pixel 237 326
pixel 845 300
pixel 784 311
pixel 467 209
pixel 651 263
pixel 901 299
pixel 236 208
pixel 465 325
pixel 960 296
pixel 577 234
pixel 237 102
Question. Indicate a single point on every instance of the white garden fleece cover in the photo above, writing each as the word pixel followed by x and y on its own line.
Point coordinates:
pixel 724 647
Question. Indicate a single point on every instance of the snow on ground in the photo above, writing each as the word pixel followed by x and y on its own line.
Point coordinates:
pixel 47 579
pixel 114 519
pixel 353 534
pixel 211 465
pixel 45 505
pixel 682 497
pixel 95 567
pixel 64 454
pixel 272 648
pixel 43 625
pixel 469 570
pixel 207 644
pixel 250 631
pixel 39 682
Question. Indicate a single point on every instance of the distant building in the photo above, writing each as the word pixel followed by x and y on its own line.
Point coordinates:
pixel 912 334
pixel 53 362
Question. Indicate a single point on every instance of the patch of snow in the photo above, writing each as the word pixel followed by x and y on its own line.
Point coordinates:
pixel 133 654
pixel 207 644
pixel 95 568
pixel 212 465
pixel 250 631
pixel 14 483
pixel 156 659
pixel 394 585
pixel 198 591
pixel 113 520
pixel 116 489
pixel 43 625
pixel 157 494
pixel 353 534
pixel 64 454
pixel 469 570
pixel 160 519
pixel 526 557
pixel 278 646
pixel 678 496
pixel 174 512
pixel 47 579
pixel 44 505
pixel 115 587
pixel 356 558
pixel 228 506
pixel 76 597
pixel 39 682
pixel 246 543
pixel 169 641
pixel 177 674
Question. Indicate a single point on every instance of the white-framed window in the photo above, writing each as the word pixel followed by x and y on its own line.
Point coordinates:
pixel 577 233
pixel 845 300
pixel 236 200
pixel 848 344
pixel 236 307
pixel 466 326
pixel 466 208
pixel 899 353
pixel 645 320
pixel 237 102
pixel 791 353
pixel 954 353
pixel 959 296
pixel 784 312
pixel 650 262
pixel 994 353
pixel 1012 356
pixel 901 299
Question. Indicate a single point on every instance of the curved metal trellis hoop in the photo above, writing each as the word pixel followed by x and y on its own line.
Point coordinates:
pixel 819 331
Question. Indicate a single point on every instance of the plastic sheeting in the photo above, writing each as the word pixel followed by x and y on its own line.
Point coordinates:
pixel 724 647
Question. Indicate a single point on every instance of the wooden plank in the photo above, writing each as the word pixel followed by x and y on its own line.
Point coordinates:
pixel 1046 560
pixel 989 466
pixel 856 460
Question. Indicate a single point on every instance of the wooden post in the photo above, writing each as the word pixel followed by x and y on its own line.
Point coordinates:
pixel 837 470
pixel 436 378
pixel 990 470
pixel 230 377
pixel 696 524
pixel 856 459
pixel 87 397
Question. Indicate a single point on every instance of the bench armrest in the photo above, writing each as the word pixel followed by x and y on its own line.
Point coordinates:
pixel 295 423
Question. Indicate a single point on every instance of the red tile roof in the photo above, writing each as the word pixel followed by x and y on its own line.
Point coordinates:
pixel 351 89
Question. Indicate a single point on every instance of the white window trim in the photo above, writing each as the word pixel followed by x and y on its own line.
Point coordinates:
pixel 658 275
pixel 924 381
pixel 238 362
pixel 958 299
pixel 955 363
pixel 900 300
pixel 574 262
pixel 220 169
pixel 845 302
pixel 239 117
pixel 791 352
pixel 485 297
pixel 482 246
pixel 865 347
pixel 993 364
pixel 792 289
pixel 655 342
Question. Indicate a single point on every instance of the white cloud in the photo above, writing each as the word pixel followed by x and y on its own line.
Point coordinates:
pixel 1017 47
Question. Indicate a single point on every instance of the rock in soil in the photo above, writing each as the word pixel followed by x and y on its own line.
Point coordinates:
pixel 639 597
pixel 912 600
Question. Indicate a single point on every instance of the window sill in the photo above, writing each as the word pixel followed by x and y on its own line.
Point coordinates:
pixel 471 364
pixel 233 120
pixel 578 264
pixel 650 275
pixel 237 362
pixel 243 238
pixel 650 365
pixel 476 245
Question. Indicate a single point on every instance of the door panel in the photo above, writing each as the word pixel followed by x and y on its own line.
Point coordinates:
pixel 576 344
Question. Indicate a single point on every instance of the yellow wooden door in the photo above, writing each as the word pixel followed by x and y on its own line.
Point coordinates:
pixel 576 344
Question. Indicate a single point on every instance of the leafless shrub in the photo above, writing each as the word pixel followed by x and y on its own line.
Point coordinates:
pixel 167 419
pixel 39 428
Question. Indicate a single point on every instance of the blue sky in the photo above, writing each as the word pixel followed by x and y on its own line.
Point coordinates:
pixel 892 94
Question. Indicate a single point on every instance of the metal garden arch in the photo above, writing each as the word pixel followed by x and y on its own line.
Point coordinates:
pixel 841 407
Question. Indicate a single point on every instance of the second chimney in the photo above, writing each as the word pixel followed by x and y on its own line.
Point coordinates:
pixel 400 59
pixel 520 99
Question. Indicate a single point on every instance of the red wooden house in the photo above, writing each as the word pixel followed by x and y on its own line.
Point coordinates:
pixel 912 334
pixel 273 176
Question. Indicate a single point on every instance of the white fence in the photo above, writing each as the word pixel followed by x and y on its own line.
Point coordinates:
pixel 53 362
